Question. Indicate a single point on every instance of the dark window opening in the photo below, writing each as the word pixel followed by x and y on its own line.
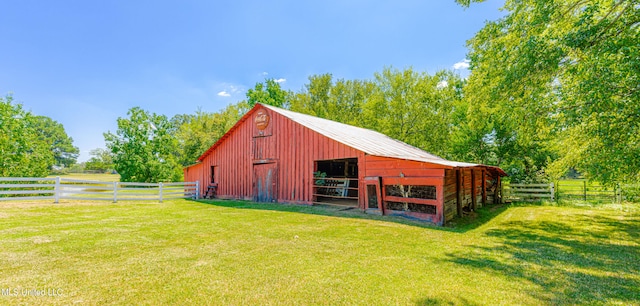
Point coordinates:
pixel 343 168
pixel 427 192
pixel 411 207
pixel 213 174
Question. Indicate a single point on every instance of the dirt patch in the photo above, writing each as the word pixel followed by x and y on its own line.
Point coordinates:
pixel 496 207
pixel 41 239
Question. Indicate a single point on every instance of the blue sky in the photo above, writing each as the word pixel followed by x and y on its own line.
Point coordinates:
pixel 85 63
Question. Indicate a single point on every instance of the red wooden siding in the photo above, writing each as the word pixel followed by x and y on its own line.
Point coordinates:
pixel 404 172
pixel 477 187
pixel 385 166
pixel 293 147
pixel 196 173
pixel 466 187
pixel 277 163
pixel 450 195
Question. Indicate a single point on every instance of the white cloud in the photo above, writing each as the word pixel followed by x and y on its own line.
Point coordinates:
pixel 280 80
pixel 225 89
pixel 265 73
pixel 464 64
pixel 442 84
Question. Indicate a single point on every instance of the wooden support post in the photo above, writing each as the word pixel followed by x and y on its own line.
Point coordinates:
pixel 497 197
pixel 459 192
pixel 197 193
pixel 346 168
pixel 484 187
pixel 584 183
pixel 474 190
pixel 380 193
pixel 115 192
pixel 56 191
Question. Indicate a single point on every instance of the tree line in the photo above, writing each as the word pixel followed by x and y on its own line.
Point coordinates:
pixel 31 145
pixel 556 85
pixel 553 87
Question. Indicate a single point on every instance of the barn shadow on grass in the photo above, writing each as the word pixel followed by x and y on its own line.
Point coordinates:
pixel 459 225
pixel 575 259
pixel 441 301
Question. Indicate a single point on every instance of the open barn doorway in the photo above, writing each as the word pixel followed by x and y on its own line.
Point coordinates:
pixel 336 182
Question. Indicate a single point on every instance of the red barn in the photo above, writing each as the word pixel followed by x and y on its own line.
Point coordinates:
pixel 276 155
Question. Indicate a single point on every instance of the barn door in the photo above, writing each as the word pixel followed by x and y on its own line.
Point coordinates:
pixel 373 194
pixel 265 182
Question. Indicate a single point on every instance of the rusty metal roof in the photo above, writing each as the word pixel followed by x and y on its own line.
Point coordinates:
pixel 368 141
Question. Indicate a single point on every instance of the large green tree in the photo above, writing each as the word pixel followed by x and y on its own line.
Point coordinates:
pixel 53 133
pixel 316 97
pixel 196 133
pixel 23 152
pixel 339 100
pixel 557 82
pixel 414 107
pixel 101 160
pixel 270 92
pixel 144 148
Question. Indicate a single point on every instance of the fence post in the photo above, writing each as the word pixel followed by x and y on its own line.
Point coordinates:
pixel 56 191
pixel 553 192
pixel 115 192
pixel 160 191
pixel 618 193
pixel 197 190
pixel 584 184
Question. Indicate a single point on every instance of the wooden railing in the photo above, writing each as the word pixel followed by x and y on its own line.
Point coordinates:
pixel 28 188
pixel 528 192
pixel 571 190
pixel 330 190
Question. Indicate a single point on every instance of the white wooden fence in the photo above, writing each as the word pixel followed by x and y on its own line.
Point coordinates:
pixel 528 192
pixel 29 188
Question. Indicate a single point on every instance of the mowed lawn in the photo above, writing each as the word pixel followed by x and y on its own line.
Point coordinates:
pixel 199 253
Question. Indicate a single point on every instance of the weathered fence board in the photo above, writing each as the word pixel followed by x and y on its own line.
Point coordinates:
pixel 74 189
pixel 571 190
pixel 528 192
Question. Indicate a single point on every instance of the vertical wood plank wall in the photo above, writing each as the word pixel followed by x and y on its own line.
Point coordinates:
pixel 196 173
pixel 292 146
pixel 386 167
pixel 294 149
pixel 450 195
pixel 485 184
pixel 477 176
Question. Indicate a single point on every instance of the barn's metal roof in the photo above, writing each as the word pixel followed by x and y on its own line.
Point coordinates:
pixel 368 141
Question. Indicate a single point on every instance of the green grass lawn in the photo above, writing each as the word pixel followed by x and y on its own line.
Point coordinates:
pixel 198 253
